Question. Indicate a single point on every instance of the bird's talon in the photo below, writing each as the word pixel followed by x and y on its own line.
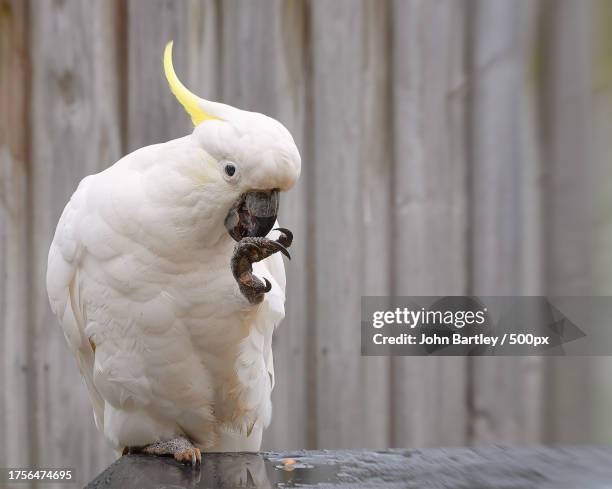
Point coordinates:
pixel 279 247
pixel 191 456
pixel 268 287
pixel 286 237
pixel 250 250
pixel 180 448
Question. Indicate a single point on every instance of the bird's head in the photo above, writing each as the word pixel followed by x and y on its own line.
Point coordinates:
pixel 250 158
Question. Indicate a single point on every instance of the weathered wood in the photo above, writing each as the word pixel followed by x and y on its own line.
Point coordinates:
pixel 154 116
pixel 430 207
pixel 519 468
pixel 568 190
pixel 203 65
pixel 376 168
pixel 337 101
pixel 504 399
pixel 75 131
pixel 15 369
pixel 292 426
pixel 602 156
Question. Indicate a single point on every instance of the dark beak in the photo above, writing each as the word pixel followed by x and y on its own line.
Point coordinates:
pixel 253 214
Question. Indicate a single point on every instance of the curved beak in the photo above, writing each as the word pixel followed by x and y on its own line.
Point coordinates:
pixel 253 214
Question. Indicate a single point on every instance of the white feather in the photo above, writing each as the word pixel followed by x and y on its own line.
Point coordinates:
pixel 139 267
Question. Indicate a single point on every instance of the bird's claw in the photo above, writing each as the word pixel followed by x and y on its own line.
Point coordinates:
pixel 191 456
pixel 180 448
pixel 250 250
pixel 286 237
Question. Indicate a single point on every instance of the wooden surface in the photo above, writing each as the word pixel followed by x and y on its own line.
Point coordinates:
pixel 602 188
pixel 337 211
pixel 447 149
pixel 505 401
pixel 567 141
pixel 482 468
pixel 16 370
pixel 429 227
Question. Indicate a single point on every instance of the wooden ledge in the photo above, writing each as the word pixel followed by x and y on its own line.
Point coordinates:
pixel 461 468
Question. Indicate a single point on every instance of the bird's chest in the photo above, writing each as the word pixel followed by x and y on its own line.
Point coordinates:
pixel 222 325
pixel 195 312
pixel 232 350
pixel 195 299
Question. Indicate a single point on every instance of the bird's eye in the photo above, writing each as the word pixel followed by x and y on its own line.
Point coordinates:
pixel 232 172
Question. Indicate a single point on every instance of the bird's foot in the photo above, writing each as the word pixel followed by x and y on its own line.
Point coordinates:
pixel 180 448
pixel 250 250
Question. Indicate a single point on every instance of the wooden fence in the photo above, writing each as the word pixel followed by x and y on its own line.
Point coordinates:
pixel 448 146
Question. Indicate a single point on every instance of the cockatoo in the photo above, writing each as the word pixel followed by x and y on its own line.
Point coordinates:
pixel 166 280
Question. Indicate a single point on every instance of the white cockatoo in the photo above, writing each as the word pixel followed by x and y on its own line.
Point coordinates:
pixel 164 275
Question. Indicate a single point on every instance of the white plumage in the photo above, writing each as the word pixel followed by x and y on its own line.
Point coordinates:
pixel 139 278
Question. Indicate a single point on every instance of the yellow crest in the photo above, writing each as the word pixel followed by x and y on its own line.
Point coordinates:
pixel 191 102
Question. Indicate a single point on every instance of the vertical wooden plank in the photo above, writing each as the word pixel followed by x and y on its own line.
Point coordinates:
pixel 350 183
pixel 263 70
pixel 530 188
pixel 203 68
pixel 505 393
pixel 602 147
pixel 338 92
pixel 250 36
pixel 602 144
pixel 376 169
pixel 292 426
pixel 567 145
pixel 15 375
pixel 567 122
pixel 154 116
pixel 74 128
pixel 429 231
pixel 532 369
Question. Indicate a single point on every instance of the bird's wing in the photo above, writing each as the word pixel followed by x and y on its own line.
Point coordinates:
pixel 64 292
pixel 119 303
